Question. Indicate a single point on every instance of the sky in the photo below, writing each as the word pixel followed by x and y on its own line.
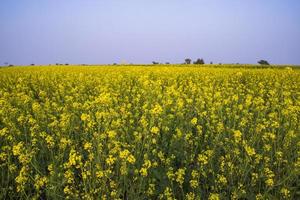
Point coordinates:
pixel 142 31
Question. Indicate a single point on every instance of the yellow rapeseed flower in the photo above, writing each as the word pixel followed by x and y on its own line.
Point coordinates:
pixel 155 130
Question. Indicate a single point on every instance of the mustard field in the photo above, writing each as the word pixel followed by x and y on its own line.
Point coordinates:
pixel 138 132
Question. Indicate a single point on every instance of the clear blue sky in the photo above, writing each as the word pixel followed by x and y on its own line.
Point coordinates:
pixel 142 31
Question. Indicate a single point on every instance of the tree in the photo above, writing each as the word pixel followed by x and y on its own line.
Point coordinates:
pixel 155 63
pixel 263 62
pixel 188 61
pixel 199 61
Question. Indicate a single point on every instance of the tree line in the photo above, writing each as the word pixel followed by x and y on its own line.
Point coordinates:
pixel 200 61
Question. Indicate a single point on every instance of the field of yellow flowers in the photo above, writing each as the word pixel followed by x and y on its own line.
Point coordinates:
pixel 129 132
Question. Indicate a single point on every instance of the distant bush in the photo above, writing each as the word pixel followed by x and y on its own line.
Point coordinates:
pixel 155 63
pixel 263 62
pixel 199 61
pixel 188 61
